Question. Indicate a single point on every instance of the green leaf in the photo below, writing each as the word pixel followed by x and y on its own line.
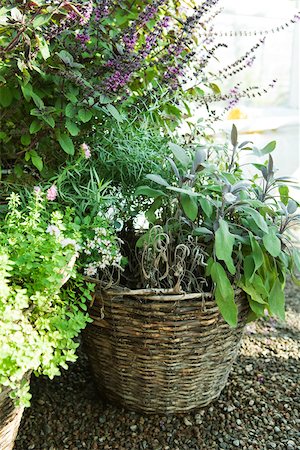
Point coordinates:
pixel 70 110
pixel 66 143
pixel 49 120
pixel 25 139
pixel 85 115
pixel 180 154
pixel 258 219
pixel 27 91
pixel 66 57
pixel 257 308
pixel 210 263
pixel 38 101
pixel 206 206
pixel 187 191
pixel 224 242
pixel 250 290
pixel 40 20
pixel 234 136
pixel 157 179
pixel 6 96
pixel 276 300
pixel 224 294
pixel 257 253
pixel 72 127
pixel 114 112
pixel 149 192
pixel 35 126
pixel 272 243
pixel 189 206
pixel 36 160
pixel 44 48
pixel 150 214
pixel 268 148
pixel 202 230
pixel 284 194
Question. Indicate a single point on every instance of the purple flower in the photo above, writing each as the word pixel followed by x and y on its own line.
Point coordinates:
pixel 86 150
pixel 83 38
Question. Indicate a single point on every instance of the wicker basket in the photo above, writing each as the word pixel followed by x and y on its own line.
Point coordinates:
pixel 161 353
pixel 10 418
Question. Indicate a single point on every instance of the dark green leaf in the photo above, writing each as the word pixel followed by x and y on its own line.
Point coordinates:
pixel 6 96
pixel 224 294
pixel 189 206
pixel 35 127
pixel 66 143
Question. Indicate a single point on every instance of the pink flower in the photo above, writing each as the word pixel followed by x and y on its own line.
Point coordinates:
pixel 86 150
pixel 37 189
pixel 52 193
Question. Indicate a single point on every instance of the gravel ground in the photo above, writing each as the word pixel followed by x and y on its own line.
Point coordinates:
pixel 259 409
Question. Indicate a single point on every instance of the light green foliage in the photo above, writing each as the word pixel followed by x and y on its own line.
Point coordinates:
pixel 38 320
pixel 241 227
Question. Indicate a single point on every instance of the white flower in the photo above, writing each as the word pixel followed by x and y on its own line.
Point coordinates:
pixel 90 270
pixel 53 230
pixel 67 241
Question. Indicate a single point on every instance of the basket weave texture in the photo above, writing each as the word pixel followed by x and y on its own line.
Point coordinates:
pixel 157 353
pixel 10 418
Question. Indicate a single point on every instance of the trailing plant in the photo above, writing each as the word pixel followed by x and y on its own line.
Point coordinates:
pixel 38 320
pixel 214 228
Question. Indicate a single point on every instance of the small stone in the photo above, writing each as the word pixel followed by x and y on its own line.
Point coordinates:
pixel 277 430
pixel 251 403
pixel 290 444
pixel 249 368
pixel 230 408
pixel 236 443
pixel 133 427
pixel 198 419
pixel 187 422
pixel 238 422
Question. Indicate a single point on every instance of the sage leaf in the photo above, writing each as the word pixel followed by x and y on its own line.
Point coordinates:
pixel 180 154
pixel 189 206
pixel 157 179
pixel 224 242
pixel 272 243
pixel 276 300
pixel 149 192
pixel 224 294
pixel 258 219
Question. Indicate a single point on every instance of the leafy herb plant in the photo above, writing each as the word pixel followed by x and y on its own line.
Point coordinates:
pixel 38 320
pixel 214 228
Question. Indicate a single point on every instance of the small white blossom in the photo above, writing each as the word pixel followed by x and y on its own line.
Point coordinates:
pixel 53 230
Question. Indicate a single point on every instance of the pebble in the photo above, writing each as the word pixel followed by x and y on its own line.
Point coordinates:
pixel 187 422
pixel 249 414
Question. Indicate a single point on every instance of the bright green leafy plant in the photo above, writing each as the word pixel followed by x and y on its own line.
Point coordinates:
pixel 214 228
pixel 38 319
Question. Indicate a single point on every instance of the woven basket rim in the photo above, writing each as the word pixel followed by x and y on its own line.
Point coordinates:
pixel 176 292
